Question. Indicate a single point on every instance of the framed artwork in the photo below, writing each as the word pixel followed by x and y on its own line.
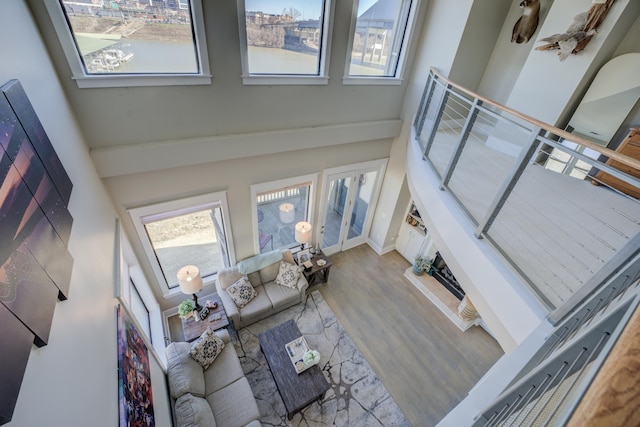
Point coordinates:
pixel 135 400
pixel 35 227
pixel 304 256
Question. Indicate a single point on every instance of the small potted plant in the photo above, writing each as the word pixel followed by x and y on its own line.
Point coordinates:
pixel 185 309
pixel 420 265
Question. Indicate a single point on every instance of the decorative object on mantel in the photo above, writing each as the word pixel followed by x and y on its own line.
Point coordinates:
pixel 466 309
pixel 580 32
pixel 528 22
pixel 421 264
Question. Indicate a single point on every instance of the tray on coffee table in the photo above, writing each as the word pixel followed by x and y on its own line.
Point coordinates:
pixel 296 350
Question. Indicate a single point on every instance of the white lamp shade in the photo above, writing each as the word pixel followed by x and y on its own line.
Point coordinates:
pixel 189 279
pixel 287 213
pixel 303 232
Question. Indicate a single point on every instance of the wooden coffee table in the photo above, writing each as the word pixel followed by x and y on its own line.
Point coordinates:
pixel 192 329
pixel 297 390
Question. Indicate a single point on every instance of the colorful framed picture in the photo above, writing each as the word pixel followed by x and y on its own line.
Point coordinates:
pixel 135 400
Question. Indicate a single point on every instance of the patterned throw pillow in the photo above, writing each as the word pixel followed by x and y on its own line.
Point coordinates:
pixel 206 348
pixel 288 275
pixel 241 292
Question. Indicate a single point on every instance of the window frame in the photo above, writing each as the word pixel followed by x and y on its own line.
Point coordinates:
pixel 135 295
pixel 185 204
pixel 129 272
pixel 396 79
pixel 84 80
pixel 280 185
pixel 287 79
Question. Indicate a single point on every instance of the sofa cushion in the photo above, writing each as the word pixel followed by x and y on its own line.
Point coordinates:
pixel 269 273
pixel 184 373
pixel 241 292
pixel 257 308
pixel 228 277
pixel 193 411
pixel 288 275
pixel 234 405
pixel 206 348
pixel 224 371
pixel 281 296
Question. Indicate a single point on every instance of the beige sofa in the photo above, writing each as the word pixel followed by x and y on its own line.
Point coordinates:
pixel 271 298
pixel 217 396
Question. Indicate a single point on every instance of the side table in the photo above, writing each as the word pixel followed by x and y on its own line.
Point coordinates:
pixel 318 273
pixel 217 319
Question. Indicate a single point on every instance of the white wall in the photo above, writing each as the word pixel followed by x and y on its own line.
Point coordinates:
pixel 234 176
pixel 73 380
pixel 551 95
pixel 443 26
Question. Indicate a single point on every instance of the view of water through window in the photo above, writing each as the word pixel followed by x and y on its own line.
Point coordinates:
pixel 119 37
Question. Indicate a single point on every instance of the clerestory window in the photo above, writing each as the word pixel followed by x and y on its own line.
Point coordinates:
pixel 284 42
pixel 131 43
pixel 380 33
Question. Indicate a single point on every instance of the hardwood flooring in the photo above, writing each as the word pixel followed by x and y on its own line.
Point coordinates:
pixel 427 364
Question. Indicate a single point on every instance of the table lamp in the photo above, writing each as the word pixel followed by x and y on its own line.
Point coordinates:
pixel 303 233
pixel 190 282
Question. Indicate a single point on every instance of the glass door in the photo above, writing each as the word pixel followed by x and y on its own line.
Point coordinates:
pixel 336 203
pixel 348 202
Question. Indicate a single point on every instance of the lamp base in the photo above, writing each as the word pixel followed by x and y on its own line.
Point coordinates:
pixel 195 301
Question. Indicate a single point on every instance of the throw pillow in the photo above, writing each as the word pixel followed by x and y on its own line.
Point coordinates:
pixel 241 292
pixel 288 275
pixel 206 348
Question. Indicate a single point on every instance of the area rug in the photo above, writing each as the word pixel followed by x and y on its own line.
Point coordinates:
pixel 356 397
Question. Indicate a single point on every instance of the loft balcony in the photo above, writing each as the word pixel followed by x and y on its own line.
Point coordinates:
pixel 525 214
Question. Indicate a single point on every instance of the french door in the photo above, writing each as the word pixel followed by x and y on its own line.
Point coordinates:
pixel 349 196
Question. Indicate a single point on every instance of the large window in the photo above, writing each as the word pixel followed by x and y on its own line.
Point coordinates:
pixel 111 42
pixel 284 41
pixel 278 206
pixel 379 37
pixel 191 231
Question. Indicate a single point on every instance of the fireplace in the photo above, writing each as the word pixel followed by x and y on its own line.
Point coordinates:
pixel 440 271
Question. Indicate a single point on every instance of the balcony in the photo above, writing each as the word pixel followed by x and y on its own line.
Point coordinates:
pixel 546 249
pixel 528 190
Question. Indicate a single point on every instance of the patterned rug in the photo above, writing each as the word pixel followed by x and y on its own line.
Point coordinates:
pixel 356 397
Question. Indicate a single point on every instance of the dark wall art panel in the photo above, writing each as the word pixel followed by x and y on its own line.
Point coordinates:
pixel 35 226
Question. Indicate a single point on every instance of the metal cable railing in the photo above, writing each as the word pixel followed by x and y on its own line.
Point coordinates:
pixel 528 188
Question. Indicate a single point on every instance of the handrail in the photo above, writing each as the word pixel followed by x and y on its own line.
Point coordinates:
pixel 629 161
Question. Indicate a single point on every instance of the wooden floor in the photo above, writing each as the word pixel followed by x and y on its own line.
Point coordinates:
pixel 427 364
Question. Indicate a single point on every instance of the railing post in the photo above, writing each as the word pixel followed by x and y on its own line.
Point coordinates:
pixel 509 183
pixel 427 96
pixel 462 140
pixel 423 105
pixel 436 122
